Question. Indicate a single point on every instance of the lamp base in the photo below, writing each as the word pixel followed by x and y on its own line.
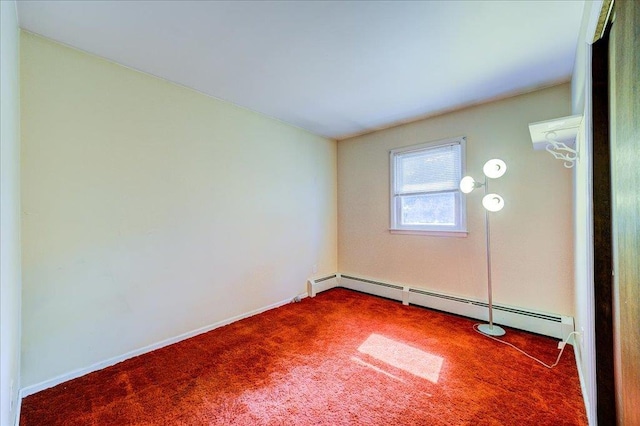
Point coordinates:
pixel 492 329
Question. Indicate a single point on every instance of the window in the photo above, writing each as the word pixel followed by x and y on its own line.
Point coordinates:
pixel 425 197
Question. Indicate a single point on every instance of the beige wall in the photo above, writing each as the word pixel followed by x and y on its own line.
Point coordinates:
pixel 532 238
pixel 150 210
pixel 10 273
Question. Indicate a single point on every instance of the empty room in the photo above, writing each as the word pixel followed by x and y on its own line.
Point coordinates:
pixel 320 212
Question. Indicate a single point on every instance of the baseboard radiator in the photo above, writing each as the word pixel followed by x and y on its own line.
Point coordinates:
pixel 547 324
pixel 315 286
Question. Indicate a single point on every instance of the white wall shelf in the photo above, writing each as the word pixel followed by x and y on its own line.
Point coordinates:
pixel 558 137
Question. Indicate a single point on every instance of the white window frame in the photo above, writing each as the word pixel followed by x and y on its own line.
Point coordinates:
pixel 458 230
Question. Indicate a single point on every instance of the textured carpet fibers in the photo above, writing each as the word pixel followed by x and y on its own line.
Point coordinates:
pixel 342 358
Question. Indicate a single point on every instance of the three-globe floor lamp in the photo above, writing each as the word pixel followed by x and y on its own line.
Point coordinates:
pixel 492 169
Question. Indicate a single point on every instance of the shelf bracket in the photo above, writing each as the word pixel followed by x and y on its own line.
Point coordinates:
pixel 561 151
pixel 558 137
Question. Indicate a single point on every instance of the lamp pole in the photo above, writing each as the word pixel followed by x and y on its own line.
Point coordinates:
pixel 492 203
pixel 490 329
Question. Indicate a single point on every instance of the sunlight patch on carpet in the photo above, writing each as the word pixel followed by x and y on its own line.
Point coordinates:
pixel 374 368
pixel 402 356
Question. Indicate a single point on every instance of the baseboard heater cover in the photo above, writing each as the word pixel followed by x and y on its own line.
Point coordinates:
pixel 390 291
pixel 547 324
pixel 317 285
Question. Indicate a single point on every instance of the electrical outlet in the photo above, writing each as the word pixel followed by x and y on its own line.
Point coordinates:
pixel 561 345
pixel 314 269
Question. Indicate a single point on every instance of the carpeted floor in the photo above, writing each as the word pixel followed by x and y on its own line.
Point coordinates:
pixel 342 358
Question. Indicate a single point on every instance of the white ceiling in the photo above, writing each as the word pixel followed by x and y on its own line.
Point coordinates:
pixel 333 68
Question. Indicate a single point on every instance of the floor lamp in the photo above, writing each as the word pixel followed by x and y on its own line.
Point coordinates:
pixel 492 169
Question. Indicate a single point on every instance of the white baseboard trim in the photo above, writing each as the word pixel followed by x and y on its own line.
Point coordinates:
pixel 583 384
pixel 30 390
pixel 16 420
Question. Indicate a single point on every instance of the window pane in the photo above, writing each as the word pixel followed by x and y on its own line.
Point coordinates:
pixel 430 209
pixel 434 169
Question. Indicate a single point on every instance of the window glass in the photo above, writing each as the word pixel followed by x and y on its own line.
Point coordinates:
pixel 424 188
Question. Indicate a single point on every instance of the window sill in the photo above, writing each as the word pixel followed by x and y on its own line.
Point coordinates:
pixel 455 234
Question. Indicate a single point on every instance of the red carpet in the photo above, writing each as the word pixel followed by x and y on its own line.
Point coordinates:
pixel 342 358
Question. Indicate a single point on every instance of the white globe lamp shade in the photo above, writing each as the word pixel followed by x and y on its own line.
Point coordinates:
pixel 494 168
pixel 493 202
pixel 467 184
